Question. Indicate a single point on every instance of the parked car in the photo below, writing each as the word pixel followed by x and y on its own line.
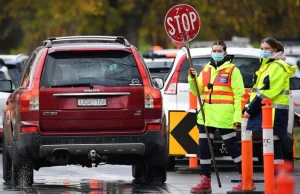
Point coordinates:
pixel 176 90
pixel 10 69
pixel 15 65
pixel 159 62
pixel 295 84
pixel 84 100
pixel 159 67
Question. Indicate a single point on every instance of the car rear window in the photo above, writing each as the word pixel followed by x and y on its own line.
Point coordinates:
pixel 105 68
pixel 247 66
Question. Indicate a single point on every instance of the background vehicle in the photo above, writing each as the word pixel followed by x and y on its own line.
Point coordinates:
pixel 176 90
pixel 159 67
pixel 15 65
pixel 295 83
pixel 159 62
pixel 10 69
pixel 84 100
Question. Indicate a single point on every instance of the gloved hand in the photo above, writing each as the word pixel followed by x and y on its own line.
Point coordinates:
pixel 192 72
pixel 237 126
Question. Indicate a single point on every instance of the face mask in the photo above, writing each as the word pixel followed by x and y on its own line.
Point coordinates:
pixel 217 56
pixel 265 54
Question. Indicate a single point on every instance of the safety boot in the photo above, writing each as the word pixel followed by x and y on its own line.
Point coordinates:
pixel 203 187
pixel 239 187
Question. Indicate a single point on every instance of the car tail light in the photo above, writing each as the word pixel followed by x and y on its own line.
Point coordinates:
pixel 153 98
pixel 29 129
pixel 153 126
pixel 30 98
pixel 171 87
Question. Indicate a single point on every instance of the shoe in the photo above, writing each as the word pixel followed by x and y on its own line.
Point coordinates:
pixel 203 187
pixel 239 187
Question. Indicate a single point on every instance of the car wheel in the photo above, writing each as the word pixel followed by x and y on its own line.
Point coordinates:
pixel 22 171
pixel 6 161
pixel 137 172
pixel 157 174
pixel 171 163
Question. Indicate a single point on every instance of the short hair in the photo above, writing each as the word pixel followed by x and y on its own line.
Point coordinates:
pixel 220 42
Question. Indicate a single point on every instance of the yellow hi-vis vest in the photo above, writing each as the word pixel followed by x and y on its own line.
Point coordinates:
pixel 217 114
pixel 272 81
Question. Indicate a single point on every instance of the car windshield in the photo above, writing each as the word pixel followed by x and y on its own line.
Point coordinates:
pixel 247 66
pixel 15 74
pixel 105 68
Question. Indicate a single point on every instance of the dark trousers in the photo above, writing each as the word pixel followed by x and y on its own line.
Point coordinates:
pixel 230 140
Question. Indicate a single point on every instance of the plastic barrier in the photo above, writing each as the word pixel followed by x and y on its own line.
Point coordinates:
pixel 247 153
pixel 193 160
pixel 284 182
pixel 268 146
pixel 193 101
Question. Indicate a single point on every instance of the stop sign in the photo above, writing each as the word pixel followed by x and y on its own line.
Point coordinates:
pixel 182 23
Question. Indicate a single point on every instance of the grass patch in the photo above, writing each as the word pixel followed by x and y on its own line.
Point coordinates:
pixel 297 143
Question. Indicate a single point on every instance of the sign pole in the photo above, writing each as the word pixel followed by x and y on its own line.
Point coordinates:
pixel 203 116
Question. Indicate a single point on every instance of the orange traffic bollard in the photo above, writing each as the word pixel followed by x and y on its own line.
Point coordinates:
pixel 193 101
pixel 284 182
pixel 193 160
pixel 268 146
pixel 247 154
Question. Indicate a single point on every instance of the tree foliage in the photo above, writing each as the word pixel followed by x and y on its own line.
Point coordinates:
pixel 24 24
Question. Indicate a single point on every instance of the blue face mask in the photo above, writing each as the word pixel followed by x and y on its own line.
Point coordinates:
pixel 265 53
pixel 217 56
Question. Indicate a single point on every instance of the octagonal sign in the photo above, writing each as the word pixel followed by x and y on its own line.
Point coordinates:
pixel 182 23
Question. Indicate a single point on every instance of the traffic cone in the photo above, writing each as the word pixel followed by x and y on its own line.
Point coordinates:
pixel 285 183
pixel 268 145
pixel 192 103
pixel 193 160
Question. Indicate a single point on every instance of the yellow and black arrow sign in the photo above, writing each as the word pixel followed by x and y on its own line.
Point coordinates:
pixel 183 133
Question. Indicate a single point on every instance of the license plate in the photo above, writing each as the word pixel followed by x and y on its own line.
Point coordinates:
pixel 92 102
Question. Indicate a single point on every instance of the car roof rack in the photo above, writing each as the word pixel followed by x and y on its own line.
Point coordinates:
pixel 111 39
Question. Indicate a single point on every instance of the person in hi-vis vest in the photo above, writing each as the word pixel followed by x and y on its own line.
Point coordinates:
pixel 272 81
pixel 221 86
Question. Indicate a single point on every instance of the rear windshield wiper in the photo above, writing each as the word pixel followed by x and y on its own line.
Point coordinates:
pixel 73 85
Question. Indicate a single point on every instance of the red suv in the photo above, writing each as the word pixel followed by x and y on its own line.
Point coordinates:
pixel 84 100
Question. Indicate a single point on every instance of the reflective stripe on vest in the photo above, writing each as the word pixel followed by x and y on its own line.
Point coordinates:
pixel 283 92
pixel 220 91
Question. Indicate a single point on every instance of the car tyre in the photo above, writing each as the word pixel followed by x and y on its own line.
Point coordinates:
pixel 22 171
pixel 137 172
pixel 171 163
pixel 6 161
pixel 156 174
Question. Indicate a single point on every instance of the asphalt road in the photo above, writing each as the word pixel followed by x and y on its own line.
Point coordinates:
pixel 113 179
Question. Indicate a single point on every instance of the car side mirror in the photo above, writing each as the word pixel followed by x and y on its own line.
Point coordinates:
pixel 294 83
pixel 5 85
pixel 158 82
